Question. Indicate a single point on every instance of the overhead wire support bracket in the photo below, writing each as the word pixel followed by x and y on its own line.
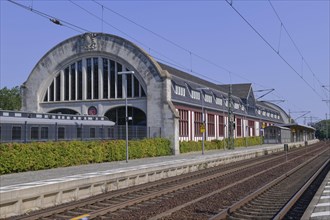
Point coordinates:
pixel 264 90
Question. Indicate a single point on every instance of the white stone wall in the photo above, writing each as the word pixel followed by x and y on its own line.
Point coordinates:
pixel 157 105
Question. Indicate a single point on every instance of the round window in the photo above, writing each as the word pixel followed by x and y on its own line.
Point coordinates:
pixel 92 110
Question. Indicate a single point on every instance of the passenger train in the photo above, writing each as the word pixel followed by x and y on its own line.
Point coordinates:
pixel 27 127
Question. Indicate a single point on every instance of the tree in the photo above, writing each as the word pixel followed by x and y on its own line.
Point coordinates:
pixel 322 129
pixel 10 99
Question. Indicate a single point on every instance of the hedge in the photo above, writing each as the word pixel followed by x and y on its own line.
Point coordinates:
pixel 19 157
pixel 191 146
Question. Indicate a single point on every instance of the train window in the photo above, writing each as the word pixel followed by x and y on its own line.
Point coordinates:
pixel 92 132
pixel 16 133
pixel 110 133
pixel 34 133
pixel 101 135
pixel 44 132
pixel 61 132
pixel 79 131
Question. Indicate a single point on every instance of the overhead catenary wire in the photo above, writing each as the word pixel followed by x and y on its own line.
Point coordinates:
pixel 65 22
pixel 267 42
pixel 186 50
pixel 52 18
pixel 294 43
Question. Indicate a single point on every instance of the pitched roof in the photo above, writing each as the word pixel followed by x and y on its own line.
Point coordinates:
pixel 240 90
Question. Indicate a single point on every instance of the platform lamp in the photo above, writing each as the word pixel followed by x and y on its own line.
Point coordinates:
pixel 126 112
pixel 203 117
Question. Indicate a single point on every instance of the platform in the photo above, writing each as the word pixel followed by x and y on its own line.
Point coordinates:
pixel 24 192
pixel 319 208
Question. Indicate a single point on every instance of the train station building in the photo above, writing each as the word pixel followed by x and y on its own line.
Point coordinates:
pixel 90 74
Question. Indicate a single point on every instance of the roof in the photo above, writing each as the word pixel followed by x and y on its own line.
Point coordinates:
pixel 240 94
pixel 187 76
pixel 240 90
pixel 277 126
pixel 296 125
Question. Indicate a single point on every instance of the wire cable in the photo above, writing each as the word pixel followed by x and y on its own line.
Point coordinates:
pixel 264 39
pixel 52 18
pixel 293 42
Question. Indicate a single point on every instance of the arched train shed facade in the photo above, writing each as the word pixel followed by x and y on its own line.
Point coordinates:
pixel 80 76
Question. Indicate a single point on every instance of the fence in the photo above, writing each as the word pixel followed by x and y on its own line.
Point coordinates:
pixel 57 132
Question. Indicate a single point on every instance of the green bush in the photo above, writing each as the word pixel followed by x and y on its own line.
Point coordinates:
pixel 191 146
pixel 18 157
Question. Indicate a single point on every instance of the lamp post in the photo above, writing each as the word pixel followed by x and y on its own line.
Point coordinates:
pixel 126 112
pixel 203 118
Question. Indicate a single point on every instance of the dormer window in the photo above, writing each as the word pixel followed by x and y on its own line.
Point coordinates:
pixel 208 98
pixel 218 101
pixel 179 90
pixel 195 95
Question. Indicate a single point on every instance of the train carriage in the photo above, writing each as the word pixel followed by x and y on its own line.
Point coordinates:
pixel 28 127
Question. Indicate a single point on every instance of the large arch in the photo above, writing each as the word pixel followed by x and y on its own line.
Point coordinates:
pixel 54 83
pixel 117 115
pixel 64 111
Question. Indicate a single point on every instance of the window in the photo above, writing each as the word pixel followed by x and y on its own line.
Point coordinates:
pixel 34 133
pixel 46 96
pixel 136 87
pixel 101 133
pixel 79 132
pixel 208 98
pixel 92 132
pixel 95 78
pixel 143 94
pixel 16 133
pixel 111 133
pixel 89 78
pixel 105 78
pixel 239 127
pixel 210 125
pixel 195 95
pixel 80 81
pixel 129 85
pixel 179 90
pixel 183 123
pixel 58 88
pixel 44 133
pixel 198 121
pixel 251 127
pixel 236 105
pixel 112 79
pixel 221 126
pixel 66 83
pixel 61 133
pixel 73 81
pixel 218 101
pixel 119 82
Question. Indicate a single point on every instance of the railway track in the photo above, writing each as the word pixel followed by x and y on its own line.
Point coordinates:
pixel 168 198
pixel 274 200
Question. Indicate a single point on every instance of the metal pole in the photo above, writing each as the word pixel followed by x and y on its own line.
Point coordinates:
pixel 203 118
pixel 126 118
pixel 126 111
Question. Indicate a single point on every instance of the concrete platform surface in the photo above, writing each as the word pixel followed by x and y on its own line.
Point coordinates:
pixel 319 208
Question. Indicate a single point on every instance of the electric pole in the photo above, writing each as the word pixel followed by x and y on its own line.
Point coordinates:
pixel 231 122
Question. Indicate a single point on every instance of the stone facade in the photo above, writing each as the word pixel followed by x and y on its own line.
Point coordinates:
pixel 157 104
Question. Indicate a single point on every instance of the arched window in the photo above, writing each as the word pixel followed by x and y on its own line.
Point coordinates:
pixel 93 78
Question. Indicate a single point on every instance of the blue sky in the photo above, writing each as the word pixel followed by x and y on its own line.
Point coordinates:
pixel 231 51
